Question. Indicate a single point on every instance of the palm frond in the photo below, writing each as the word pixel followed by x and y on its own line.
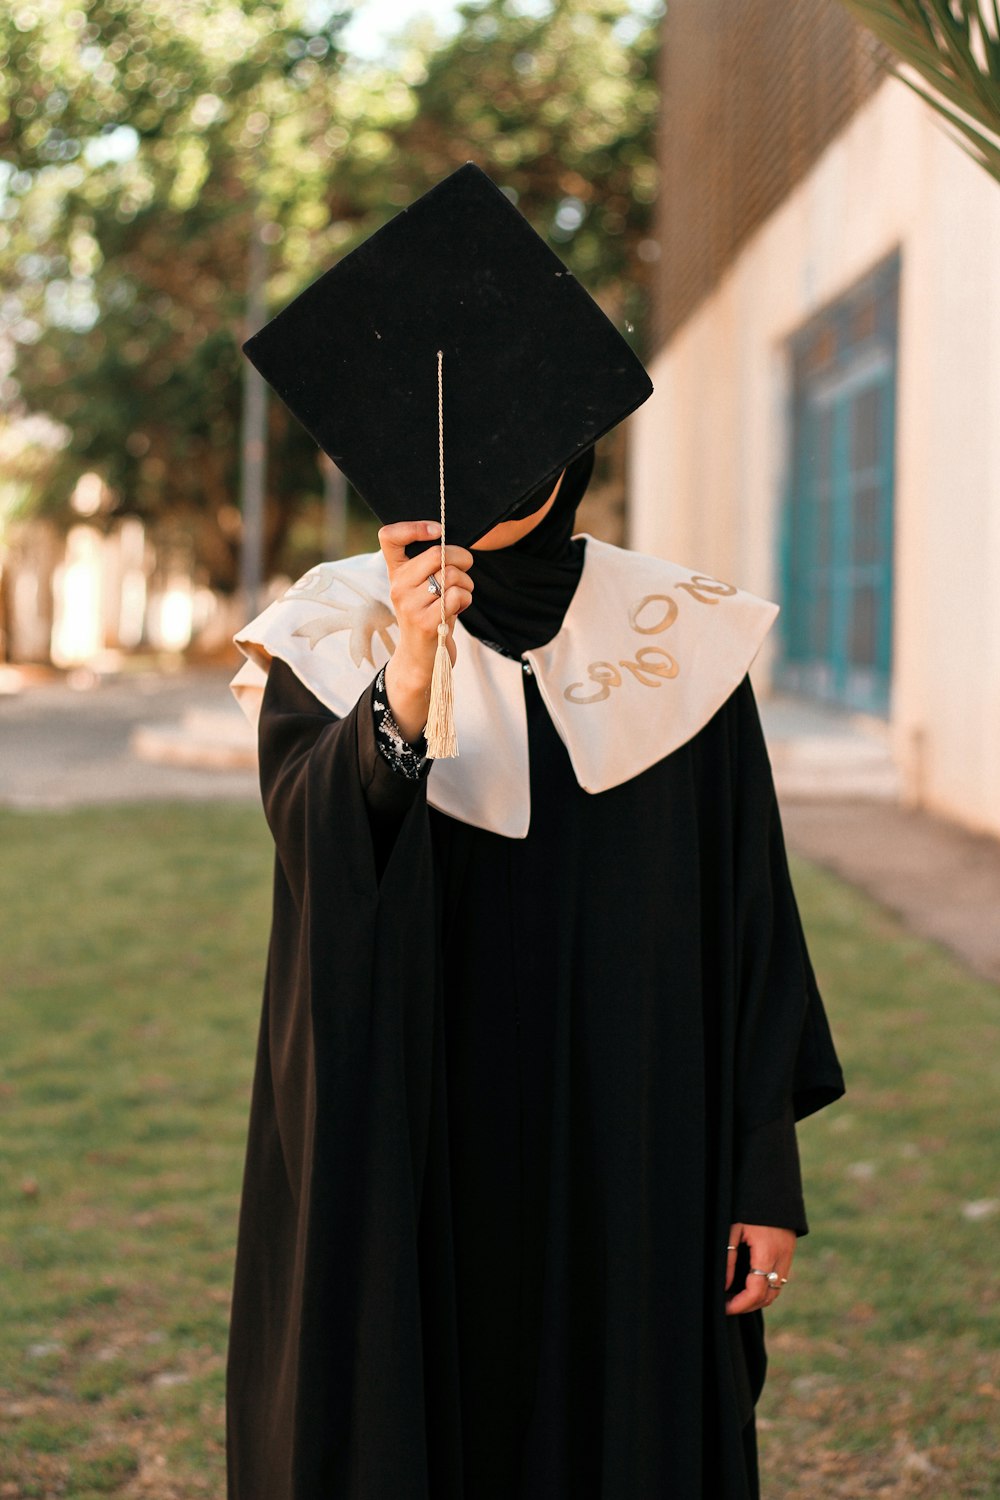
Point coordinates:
pixel 984 151
pixel 954 45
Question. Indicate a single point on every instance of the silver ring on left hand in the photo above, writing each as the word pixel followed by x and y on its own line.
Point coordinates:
pixel 433 587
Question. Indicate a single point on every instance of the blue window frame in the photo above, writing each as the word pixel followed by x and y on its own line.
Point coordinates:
pixel 835 632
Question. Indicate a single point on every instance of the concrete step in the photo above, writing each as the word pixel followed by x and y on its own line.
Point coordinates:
pixel 203 737
pixel 818 751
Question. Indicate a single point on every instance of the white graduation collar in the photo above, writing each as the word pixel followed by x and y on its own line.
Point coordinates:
pixel 647 653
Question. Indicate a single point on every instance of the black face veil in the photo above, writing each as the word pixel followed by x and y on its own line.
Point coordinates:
pixel 522 591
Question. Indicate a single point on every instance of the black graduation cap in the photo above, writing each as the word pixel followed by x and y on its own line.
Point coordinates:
pixel 532 371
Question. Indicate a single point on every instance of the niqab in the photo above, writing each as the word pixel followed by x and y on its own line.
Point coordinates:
pixel 522 591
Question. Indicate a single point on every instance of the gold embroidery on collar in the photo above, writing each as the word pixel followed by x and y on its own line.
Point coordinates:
pixel 652 664
pixel 668 619
pixel 703 588
pixel 601 672
pixel 365 620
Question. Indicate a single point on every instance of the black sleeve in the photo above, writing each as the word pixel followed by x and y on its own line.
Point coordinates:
pixel 389 794
pixel 786 1063
pixel 293 720
pixel 347 1142
pixel 768 1180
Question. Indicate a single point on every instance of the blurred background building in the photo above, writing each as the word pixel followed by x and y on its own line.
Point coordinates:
pixel 827 370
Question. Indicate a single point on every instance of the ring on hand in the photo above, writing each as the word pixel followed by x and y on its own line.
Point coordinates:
pixel 433 587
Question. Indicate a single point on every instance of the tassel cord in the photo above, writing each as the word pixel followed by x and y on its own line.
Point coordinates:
pixel 442 743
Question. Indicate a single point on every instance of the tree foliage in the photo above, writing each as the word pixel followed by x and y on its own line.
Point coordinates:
pixel 558 103
pixel 142 140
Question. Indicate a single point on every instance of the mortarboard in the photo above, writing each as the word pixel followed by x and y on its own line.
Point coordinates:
pixel 451 354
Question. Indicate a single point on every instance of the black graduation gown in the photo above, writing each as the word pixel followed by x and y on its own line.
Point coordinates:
pixel 509 1096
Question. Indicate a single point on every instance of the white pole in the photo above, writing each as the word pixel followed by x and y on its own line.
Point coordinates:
pixel 253 469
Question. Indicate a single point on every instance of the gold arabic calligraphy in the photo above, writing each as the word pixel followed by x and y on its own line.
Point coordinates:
pixel 651 664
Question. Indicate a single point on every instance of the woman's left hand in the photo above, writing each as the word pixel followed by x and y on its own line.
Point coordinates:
pixel 770 1250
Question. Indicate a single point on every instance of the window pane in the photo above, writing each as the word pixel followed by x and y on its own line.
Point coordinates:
pixel 863 622
pixel 865 517
pixel 865 421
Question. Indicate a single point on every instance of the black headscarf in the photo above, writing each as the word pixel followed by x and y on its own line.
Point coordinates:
pixel 522 591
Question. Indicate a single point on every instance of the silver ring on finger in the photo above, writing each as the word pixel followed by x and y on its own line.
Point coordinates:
pixel 433 587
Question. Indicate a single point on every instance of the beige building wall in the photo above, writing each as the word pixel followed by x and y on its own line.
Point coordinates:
pixel 709 447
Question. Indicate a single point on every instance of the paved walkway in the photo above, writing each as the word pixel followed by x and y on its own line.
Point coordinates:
pixel 62 745
pixel 941 880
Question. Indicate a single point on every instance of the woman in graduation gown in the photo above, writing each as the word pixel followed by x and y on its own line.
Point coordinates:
pixel 522 1170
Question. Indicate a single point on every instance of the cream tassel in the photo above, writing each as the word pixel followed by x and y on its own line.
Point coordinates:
pixel 440 731
pixel 442 743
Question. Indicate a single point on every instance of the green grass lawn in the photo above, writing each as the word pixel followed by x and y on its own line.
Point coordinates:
pixel 133 943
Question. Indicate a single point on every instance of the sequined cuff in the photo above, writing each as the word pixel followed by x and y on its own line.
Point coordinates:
pixel 409 760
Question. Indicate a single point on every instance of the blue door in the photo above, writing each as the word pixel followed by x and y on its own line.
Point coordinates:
pixel 837 531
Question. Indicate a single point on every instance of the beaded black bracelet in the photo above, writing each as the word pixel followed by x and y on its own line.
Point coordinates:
pixel 407 759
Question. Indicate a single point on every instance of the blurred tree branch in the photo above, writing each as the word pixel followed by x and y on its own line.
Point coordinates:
pixel 135 138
